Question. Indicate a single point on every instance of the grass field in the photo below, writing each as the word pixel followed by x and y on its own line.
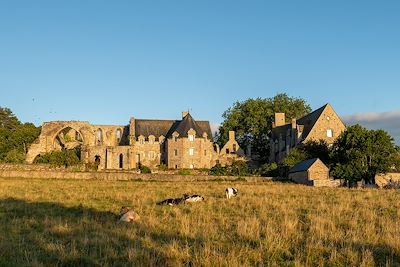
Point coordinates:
pixel 73 223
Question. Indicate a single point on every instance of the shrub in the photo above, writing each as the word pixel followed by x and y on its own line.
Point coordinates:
pixel 144 169
pixel 269 170
pixel 64 158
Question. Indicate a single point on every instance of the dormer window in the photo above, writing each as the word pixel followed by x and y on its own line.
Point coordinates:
pixel 152 139
pixel 141 140
pixel 191 137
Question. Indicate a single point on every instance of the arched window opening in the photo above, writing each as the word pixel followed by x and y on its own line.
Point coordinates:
pixel 97 160
pixel 99 137
pixel 118 135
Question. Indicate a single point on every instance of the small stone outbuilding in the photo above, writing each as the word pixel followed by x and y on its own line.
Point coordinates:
pixel 311 172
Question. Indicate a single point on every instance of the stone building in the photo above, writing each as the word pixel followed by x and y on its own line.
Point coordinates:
pixel 312 172
pixel 177 144
pixel 321 124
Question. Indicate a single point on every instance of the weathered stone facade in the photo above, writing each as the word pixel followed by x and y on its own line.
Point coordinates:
pixel 175 143
pixel 310 172
pixel 321 124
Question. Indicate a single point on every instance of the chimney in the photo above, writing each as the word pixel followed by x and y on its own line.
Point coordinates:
pixel 184 113
pixel 231 135
pixel 279 119
pixel 294 124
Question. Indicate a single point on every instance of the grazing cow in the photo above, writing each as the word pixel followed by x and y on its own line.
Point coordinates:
pixel 128 215
pixel 231 192
pixel 173 201
pixel 194 198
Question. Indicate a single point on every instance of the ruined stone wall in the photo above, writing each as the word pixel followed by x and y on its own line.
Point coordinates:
pixel 47 141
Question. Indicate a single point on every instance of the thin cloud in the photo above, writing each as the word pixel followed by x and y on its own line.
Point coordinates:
pixel 388 121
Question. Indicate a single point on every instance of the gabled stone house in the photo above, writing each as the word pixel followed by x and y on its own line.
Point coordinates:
pixel 321 124
pixel 177 144
pixel 312 172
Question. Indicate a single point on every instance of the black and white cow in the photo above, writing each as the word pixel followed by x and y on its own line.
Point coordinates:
pixel 194 198
pixel 231 192
pixel 173 201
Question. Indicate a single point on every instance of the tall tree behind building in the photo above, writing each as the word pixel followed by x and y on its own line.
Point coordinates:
pixel 252 121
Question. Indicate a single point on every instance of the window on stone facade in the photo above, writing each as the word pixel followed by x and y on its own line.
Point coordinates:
pixel 227 151
pixel 176 152
pixel 329 133
pixel 176 166
pixel 99 137
pixel 118 134
pixel 141 140
pixel 152 155
pixel 205 152
pixel 191 137
pixel 234 147
pixel 121 161
pixel 191 151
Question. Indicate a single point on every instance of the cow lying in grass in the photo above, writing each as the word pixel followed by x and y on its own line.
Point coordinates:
pixel 128 215
pixel 231 192
pixel 181 200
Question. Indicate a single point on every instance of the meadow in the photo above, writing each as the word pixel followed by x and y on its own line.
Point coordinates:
pixel 53 222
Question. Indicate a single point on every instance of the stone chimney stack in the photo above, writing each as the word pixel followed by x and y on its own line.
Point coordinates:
pixel 184 113
pixel 279 119
pixel 294 124
pixel 231 135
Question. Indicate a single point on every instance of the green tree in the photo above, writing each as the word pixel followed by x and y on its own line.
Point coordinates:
pixel 15 137
pixel 252 121
pixel 316 149
pixel 7 119
pixel 359 153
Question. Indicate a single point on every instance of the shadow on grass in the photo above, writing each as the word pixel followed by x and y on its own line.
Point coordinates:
pixel 49 234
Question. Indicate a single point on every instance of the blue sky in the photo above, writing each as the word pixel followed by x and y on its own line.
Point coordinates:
pixel 104 61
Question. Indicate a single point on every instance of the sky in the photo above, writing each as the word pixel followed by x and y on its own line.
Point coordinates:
pixel 106 61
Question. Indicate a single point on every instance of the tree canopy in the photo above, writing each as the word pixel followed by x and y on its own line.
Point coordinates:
pixel 359 153
pixel 7 119
pixel 15 137
pixel 252 121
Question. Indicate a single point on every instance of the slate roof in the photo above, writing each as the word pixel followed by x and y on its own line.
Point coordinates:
pixel 303 166
pixel 168 127
pixel 308 121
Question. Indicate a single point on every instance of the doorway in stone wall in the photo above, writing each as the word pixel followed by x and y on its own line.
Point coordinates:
pixel 121 161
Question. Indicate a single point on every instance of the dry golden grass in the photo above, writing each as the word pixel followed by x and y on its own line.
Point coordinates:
pixel 73 223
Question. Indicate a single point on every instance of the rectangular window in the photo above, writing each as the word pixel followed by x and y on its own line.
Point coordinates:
pixel 191 151
pixel 205 152
pixel 329 133
pixel 234 147
pixel 176 152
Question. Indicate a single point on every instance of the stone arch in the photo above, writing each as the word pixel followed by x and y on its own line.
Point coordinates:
pixel 68 137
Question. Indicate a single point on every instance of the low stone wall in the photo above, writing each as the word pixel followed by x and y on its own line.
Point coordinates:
pixel 382 180
pixel 44 172
pixel 327 183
